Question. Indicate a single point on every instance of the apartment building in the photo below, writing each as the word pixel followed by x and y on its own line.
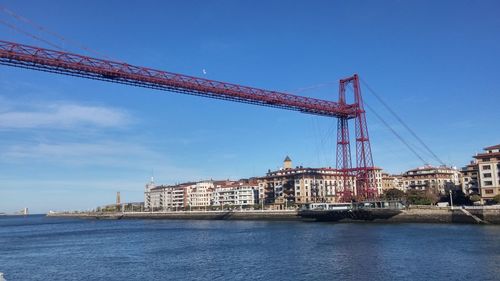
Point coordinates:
pixel 489 172
pixel 302 185
pixel 164 197
pixel 240 193
pixel 392 182
pixel 470 175
pixel 278 188
pixel 434 178
pixel 200 194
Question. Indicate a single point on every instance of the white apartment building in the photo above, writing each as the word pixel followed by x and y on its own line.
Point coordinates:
pixel 236 194
pixel 200 194
pixel 165 198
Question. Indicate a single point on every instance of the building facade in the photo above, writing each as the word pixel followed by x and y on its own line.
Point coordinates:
pixel 167 198
pixel 236 194
pixel 489 172
pixel 392 182
pixel 302 185
pixel 470 175
pixel 200 195
pixel 428 177
pixel 277 189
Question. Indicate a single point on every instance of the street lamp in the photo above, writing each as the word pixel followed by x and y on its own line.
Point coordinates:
pixel 451 200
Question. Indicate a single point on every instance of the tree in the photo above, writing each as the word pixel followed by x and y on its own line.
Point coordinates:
pixel 474 198
pixel 421 197
pixel 394 194
pixel 459 198
pixel 496 199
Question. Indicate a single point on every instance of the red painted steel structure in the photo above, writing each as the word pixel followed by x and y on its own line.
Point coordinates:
pixel 36 58
pixel 364 172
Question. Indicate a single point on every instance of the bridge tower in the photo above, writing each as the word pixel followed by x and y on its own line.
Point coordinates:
pixel 358 182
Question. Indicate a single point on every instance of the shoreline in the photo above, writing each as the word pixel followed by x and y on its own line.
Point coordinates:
pixel 412 215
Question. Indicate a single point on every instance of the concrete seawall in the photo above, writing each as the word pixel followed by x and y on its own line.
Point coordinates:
pixel 418 215
pixel 490 215
pixel 194 215
pixel 428 215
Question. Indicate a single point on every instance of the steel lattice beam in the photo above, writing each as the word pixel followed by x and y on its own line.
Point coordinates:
pixel 25 56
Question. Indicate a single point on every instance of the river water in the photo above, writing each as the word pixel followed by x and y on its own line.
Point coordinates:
pixel 40 248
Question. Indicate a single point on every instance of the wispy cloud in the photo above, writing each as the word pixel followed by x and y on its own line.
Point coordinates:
pixel 61 116
pixel 107 152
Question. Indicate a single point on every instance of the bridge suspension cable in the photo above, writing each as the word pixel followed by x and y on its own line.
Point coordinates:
pixel 22 31
pixel 379 117
pixel 400 120
pixel 41 28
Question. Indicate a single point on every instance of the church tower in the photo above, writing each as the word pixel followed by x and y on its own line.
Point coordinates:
pixel 287 163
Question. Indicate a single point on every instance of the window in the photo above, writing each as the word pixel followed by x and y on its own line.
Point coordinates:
pixel 486 159
pixel 488 191
pixel 487 175
pixel 486 167
pixel 488 183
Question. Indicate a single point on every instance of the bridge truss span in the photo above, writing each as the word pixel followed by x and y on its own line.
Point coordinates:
pixel 30 57
pixel 118 72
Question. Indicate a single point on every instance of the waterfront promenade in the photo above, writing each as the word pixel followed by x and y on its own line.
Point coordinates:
pixel 416 214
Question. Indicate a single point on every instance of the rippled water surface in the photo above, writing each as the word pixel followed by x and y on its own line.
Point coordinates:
pixel 40 248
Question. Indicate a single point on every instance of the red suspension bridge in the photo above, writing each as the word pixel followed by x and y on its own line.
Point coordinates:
pixel 30 57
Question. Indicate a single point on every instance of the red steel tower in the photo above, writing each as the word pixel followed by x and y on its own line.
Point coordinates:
pixel 358 182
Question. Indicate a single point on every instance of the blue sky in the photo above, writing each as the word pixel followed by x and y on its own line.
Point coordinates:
pixel 70 143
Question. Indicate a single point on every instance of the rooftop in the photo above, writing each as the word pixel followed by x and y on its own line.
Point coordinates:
pixel 487 155
pixel 492 147
pixel 429 168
